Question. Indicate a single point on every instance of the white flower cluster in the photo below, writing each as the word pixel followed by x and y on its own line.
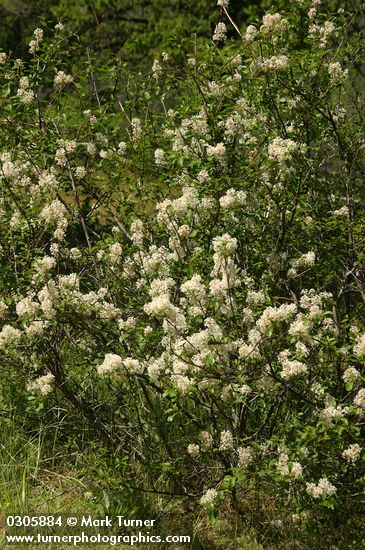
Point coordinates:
pixel 250 349
pixel 160 159
pixel 3 309
pixel 42 385
pixel 196 295
pixel 136 129
pixel 203 176
pixel 223 3
pixel 62 79
pixel 122 148
pixel 224 246
pixel 209 498
pixel 250 33
pixel 342 212
pixel 161 286
pixel 273 23
pixel 300 327
pixel 232 199
pixel 206 441
pixel 217 151
pixel 170 212
pixel 291 368
pixel 9 335
pixel 245 457
pixel 352 453
pixel 47 297
pixel 337 73
pixel 38 38
pixel 103 154
pixel 90 149
pixel 214 89
pixel 115 253
pixel 312 302
pixel 281 149
pixel 329 325
pixel 323 489
pixel 291 470
pixel 220 32
pixel 133 366
pixel 193 450
pixel 80 172
pixel 66 148
pixel 26 306
pixel 226 441
pixel 44 265
pixel 127 324
pixel 18 172
pixel 47 181
pixel 231 125
pixel 181 382
pixel 35 328
pixel 273 315
pixel 332 414
pixel 224 271
pixel 189 137
pixel 322 32
pixel 359 347
pixel 68 282
pixel 312 13
pixel 359 400
pixel 305 260
pixel 156 262
pixel 272 64
pixel 24 92
pixel 56 213
pixel 161 307
pixel 90 116
pixel 111 364
pixel 351 374
pixel 255 298
pixel 301 349
pixel 156 69
pixel 156 367
pixel 137 232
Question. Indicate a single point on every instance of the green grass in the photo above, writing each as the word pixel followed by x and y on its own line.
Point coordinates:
pixel 35 478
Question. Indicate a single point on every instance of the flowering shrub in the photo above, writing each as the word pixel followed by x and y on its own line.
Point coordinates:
pixel 190 275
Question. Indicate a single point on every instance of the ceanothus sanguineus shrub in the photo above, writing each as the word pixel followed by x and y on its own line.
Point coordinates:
pixel 190 276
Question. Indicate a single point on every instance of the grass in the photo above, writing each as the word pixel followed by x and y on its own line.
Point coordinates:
pixel 38 476
pixel 36 479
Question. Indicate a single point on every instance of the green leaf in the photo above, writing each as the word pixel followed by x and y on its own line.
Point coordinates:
pixel 212 515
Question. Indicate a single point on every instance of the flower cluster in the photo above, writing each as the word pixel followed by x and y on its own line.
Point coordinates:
pixel 352 453
pixel 35 43
pixel 281 149
pixel 220 32
pixel 61 79
pixel 24 91
pixel 291 470
pixel 56 213
pixel 323 489
pixel 209 498
pixel 42 385
pixel 111 364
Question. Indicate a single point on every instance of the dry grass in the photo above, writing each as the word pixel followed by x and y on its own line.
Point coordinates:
pixel 53 493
